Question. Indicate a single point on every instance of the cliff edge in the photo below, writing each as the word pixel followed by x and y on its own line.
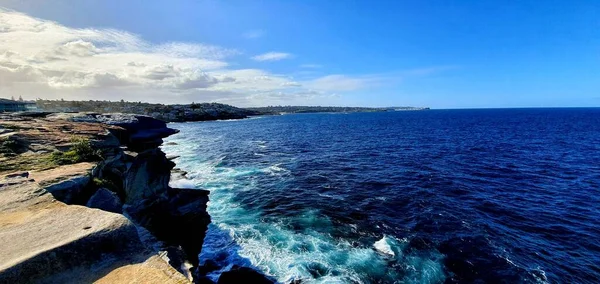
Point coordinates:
pixel 85 198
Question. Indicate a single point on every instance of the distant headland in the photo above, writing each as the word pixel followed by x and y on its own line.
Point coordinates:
pixel 197 111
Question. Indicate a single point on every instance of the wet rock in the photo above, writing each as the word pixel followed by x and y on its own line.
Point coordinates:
pixel 208 266
pixel 106 200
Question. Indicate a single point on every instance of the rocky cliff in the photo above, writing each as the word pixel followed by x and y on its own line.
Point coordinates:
pixel 85 197
pixel 171 113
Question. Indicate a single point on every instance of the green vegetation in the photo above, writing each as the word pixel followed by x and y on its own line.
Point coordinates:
pixel 81 151
pixel 194 111
pixel 26 163
pixel 169 113
pixel 99 183
pixel 8 147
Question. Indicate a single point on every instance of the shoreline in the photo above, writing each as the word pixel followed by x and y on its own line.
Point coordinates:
pixel 115 174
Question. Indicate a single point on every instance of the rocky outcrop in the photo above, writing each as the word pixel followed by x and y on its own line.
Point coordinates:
pixel 177 217
pixel 44 240
pixel 138 132
pixel 170 113
pixel 106 200
pixel 148 175
pixel 45 236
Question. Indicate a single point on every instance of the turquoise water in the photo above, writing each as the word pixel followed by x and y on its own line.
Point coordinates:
pixel 403 197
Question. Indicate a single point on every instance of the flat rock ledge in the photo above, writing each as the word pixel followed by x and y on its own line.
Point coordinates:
pixel 49 235
pixel 47 241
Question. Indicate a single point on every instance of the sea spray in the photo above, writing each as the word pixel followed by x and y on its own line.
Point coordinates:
pixel 309 196
pixel 299 247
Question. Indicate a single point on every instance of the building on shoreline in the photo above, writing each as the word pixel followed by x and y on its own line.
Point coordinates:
pixel 13 106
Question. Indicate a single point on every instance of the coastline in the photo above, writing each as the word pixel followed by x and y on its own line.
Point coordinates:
pixel 109 212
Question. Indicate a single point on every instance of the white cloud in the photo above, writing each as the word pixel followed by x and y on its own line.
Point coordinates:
pixel 43 58
pixel 178 49
pixel 291 84
pixel 40 58
pixel 271 56
pixel 38 51
pixel 347 83
pixel 253 34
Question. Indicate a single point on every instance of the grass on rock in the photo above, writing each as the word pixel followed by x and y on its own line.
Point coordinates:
pixel 81 151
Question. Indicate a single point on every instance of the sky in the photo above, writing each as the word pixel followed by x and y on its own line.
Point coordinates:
pixel 439 54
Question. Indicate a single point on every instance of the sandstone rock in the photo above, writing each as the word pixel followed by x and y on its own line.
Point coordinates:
pixel 43 240
pixel 57 237
pixel 148 175
pixel 106 200
pixel 67 183
pixel 70 190
pixel 73 244
pixel 177 217
pixel 152 271
pixel 140 128
pixel 133 130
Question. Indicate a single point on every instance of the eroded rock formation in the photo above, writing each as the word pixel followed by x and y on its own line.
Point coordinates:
pixel 45 235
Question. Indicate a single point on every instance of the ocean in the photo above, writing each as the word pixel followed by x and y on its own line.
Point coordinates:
pixel 438 196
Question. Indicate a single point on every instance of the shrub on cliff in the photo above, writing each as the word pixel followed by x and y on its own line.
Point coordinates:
pixel 8 146
pixel 105 183
pixel 81 151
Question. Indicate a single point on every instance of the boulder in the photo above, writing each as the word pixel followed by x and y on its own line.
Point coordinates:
pixel 106 200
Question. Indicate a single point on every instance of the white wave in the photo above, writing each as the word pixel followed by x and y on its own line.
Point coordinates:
pixel 182 183
pixel 383 246
pixel 276 169
pixel 238 235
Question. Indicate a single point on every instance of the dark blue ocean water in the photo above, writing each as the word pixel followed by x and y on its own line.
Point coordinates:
pixel 509 195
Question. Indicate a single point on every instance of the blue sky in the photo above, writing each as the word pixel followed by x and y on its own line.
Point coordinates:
pixel 442 54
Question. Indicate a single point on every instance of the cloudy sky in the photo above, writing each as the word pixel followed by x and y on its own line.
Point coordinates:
pixel 442 54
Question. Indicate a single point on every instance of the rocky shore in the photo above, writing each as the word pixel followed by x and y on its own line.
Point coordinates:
pixel 86 198
pixel 168 113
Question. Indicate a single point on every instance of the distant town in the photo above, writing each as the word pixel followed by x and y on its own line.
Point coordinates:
pixel 177 112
